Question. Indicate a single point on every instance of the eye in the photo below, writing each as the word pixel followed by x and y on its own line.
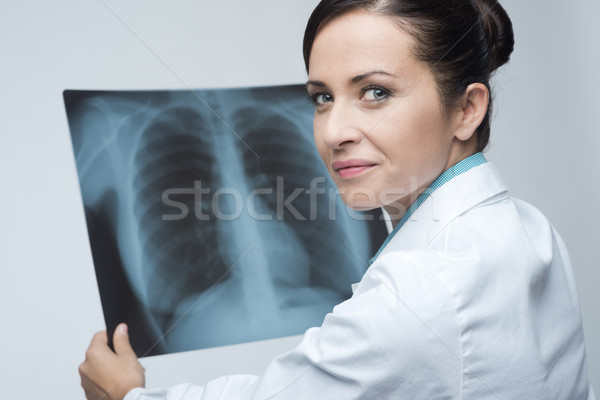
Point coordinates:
pixel 321 98
pixel 374 93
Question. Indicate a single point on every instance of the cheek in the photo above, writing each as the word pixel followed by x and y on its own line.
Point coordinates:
pixel 413 129
pixel 415 143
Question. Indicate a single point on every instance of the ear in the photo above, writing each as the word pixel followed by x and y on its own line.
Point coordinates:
pixel 473 108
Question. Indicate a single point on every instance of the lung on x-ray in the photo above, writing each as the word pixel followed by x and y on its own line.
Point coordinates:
pixel 211 218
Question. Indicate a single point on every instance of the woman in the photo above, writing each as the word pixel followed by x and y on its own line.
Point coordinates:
pixel 471 296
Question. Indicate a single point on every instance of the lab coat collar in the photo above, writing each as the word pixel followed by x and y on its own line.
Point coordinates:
pixel 480 184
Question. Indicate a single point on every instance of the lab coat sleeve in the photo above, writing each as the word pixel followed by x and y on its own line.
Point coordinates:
pixel 397 337
pixel 227 387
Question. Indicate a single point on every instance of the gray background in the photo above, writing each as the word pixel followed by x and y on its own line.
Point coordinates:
pixel 545 141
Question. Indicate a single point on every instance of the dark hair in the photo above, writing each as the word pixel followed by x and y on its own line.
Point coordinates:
pixel 460 41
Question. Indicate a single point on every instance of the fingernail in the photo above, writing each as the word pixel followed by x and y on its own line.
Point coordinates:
pixel 123 329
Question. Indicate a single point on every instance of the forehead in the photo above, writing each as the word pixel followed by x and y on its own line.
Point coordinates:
pixel 360 41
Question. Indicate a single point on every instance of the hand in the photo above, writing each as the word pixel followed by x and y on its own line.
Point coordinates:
pixel 109 375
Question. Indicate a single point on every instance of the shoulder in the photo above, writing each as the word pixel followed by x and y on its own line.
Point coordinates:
pixel 498 231
pixel 492 255
pixel 506 274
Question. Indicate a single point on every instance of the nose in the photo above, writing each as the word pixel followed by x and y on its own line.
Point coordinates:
pixel 339 127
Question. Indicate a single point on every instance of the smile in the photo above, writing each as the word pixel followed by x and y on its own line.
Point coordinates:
pixel 351 168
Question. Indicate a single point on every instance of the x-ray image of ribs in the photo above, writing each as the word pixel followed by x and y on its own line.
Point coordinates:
pixel 180 256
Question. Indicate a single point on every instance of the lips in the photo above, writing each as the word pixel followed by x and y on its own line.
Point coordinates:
pixel 351 168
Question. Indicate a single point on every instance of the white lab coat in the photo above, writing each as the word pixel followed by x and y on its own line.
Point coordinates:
pixel 473 298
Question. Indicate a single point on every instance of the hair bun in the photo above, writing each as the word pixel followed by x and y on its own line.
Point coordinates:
pixel 498 29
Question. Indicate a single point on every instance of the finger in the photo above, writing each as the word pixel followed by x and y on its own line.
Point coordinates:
pixel 98 347
pixel 100 338
pixel 121 342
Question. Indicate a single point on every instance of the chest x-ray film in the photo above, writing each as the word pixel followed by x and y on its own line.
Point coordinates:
pixel 211 218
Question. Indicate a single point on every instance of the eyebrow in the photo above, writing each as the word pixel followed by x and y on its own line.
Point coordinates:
pixel 359 78
pixel 355 79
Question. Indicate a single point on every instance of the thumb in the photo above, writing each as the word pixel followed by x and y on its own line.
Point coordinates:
pixel 121 342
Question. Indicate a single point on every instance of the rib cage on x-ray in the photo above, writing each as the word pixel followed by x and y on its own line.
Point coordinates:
pixel 203 279
pixel 173 153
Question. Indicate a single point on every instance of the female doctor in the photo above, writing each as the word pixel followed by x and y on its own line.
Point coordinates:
pixel 471 296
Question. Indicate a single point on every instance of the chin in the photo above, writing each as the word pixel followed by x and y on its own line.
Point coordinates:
pixel 360 208
pixel 364 204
